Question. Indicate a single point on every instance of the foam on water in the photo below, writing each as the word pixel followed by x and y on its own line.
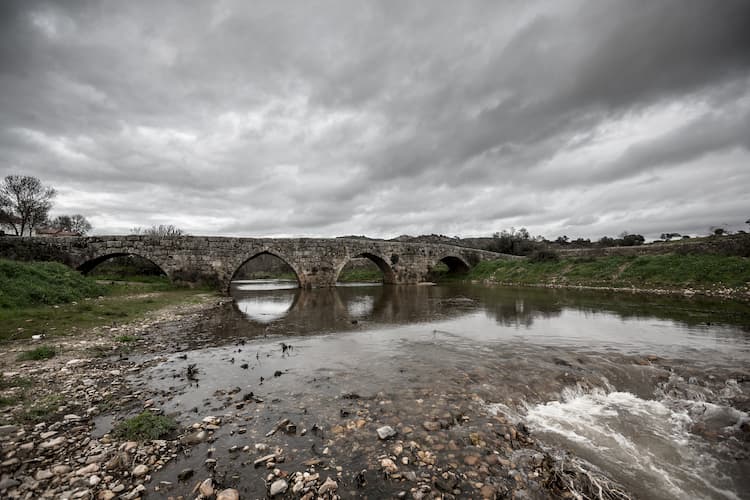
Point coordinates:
pixel 646 444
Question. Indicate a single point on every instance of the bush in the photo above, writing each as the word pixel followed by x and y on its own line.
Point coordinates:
pixel 38 354
pixel 145 427
pixel 544 255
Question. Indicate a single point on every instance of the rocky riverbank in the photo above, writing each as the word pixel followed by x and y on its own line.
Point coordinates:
pixel 56 439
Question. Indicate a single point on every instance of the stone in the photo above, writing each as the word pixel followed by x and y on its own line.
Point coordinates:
pixel 431 425
pixel 328 486
pixel 487 491
pixel 278 487
pixel 52 443
pixel 43 475
pixel 471 460
pixel 88 469
pixel 61 470
pixel 8 429
pixel 140 470
pixel 386 432
pixel 94 480
pixel 195 437
pixel 388 465
pixel 7 483
pixel 106 495
pixel 206 488
pixel 228 494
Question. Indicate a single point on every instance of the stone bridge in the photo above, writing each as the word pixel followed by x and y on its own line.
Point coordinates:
pixel 215 260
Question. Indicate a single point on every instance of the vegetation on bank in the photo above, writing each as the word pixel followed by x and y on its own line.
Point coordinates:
pixel 360 275
pixel 25 284
pixel 145 427
pixel 46 298
pixel 646 271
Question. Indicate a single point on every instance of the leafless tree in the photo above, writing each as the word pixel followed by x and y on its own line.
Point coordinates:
pixel 161 231
pixel 74 223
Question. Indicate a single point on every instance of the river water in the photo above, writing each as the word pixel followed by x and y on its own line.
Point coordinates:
pixel 653 391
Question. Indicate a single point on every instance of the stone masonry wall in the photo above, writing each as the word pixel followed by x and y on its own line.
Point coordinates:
pixel 215 260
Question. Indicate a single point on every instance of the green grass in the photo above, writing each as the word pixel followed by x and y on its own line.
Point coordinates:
pixel 25 284
pixel 69 318
pixel 50 298
pixel 42 409
pixel 125 338
pixel 669 271
pixel 145 427
pixel 38 354
pixel 360 275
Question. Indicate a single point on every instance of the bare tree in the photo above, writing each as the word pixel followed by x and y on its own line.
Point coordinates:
pixel 24 203
pixel 74 223
pixel 161 231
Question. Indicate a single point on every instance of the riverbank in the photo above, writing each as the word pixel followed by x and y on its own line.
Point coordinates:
pixel 671 274
pixel 47 299
pixel 59 420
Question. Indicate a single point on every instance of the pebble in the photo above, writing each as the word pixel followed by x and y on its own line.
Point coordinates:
pixel 388 465
pixel 327 486
pixel 278 487
pixel 386 432
pixel 206 488
pixel 140 470
pixel 228 494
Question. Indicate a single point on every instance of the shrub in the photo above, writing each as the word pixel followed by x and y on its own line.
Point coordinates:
pixel 38 354
pixel 544 255
pixel 145 427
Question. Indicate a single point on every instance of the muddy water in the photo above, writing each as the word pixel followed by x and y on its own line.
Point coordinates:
pixel 653 391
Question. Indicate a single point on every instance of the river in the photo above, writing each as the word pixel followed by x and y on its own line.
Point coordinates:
pixel 652 391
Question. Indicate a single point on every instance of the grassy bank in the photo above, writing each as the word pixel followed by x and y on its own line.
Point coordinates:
pixel 52 299
pixel 702 272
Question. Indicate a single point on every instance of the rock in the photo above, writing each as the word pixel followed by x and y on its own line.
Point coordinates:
pixel 278 487
pixel 7 483
pixel 206 488
pixel 129 446
pixel 106 495
pixel 94 480
pixel 328 485
pixel 61 470
pixel 411 476
pixel 228 494
pixel 388 465
pixel 195 437
pixel 89 469
pixel 140 470
pixel 185 474
pixel 431 426
pixel 52 443
pixel 386 432
pixel 487 491
pixel 8 429
pixel 211 420
pixel 43 475
pixel 471 460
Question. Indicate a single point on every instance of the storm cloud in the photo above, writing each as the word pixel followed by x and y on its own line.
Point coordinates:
pixel 329 118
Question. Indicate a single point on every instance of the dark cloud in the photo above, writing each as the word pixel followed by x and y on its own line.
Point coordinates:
pixel 578 117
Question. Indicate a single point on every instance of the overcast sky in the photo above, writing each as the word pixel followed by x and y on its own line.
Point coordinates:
pixel 582 118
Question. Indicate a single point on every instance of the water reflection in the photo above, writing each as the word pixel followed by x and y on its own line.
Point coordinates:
pixel 544 316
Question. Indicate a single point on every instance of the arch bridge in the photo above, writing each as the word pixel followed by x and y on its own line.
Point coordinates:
pixel 317 262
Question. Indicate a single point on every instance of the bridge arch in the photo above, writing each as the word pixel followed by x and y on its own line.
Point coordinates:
pixel 389 276
pixel 279 255
pixel 90 264
pixel 456 264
